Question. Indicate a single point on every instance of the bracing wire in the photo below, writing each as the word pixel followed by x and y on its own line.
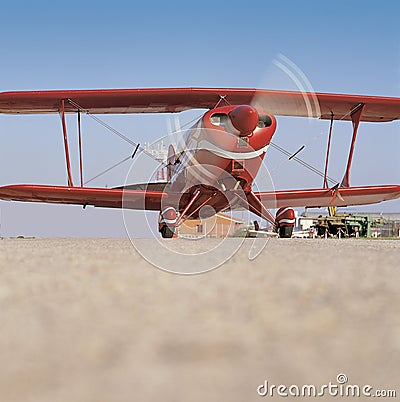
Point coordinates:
pixel 149 154
pixel 123 137
pixel 301 162
pixel 112 129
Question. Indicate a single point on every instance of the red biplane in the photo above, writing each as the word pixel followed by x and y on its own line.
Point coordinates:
pixel 222 152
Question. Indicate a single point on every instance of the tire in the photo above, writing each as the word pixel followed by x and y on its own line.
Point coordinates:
pixel 285 231
pixel 167 232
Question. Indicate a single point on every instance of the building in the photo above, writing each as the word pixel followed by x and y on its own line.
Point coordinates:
pixel 217 226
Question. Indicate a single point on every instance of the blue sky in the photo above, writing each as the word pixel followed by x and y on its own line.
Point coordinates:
pixel 342 47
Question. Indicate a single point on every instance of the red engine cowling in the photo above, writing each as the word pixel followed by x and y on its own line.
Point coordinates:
pixel 284 221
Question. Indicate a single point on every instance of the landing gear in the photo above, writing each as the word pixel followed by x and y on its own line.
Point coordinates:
pixel 284 222
pixel 167 232
pixel 167 222
pixel 285 231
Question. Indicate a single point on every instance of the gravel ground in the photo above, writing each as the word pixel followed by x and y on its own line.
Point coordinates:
pixel 90 320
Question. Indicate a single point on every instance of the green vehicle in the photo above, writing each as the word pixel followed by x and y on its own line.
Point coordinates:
pixel 347 225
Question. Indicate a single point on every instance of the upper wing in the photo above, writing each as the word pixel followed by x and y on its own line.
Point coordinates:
pixel 99 197
pixel 340 197
pixel 170 100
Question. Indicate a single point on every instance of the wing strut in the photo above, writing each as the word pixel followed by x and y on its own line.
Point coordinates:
pixel 80 148
pixel 332 210
pixel 64 127
pixel 355 115
pixel 328 149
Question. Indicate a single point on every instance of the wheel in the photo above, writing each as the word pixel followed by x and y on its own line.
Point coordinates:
pixel 167 232
pixel 285 231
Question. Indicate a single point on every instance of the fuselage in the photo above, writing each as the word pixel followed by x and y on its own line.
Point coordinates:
pixel 221 153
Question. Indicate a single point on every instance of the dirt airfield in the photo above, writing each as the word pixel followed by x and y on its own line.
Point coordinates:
pixel 90 320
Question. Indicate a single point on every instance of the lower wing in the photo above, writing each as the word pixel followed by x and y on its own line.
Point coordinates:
pixel 150 198
pixel 325 197
pixel 98 197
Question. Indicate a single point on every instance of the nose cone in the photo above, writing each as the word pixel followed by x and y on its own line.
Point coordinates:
pixel 245 119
